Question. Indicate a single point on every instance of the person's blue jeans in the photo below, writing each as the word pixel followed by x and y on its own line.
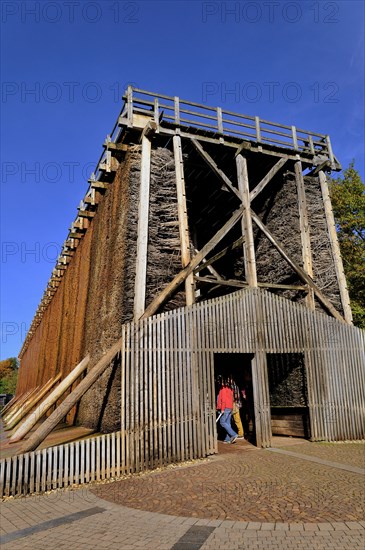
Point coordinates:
pixel 225 422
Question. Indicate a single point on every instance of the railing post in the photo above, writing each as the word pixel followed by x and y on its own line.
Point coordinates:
pixel 177 110
pixel 130 106
pixel 311 145
pixel 295 138
pixel 156 112
pixel 329 150
pixel 258 129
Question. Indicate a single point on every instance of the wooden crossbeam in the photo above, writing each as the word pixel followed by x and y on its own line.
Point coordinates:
pixel 195 261
pixel 220 255
pixel 244 284
pixel 208 159
pixel 263 183
pixel 302 274
pixel 86 213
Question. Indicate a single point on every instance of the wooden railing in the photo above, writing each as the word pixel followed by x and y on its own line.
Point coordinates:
pixel 222 123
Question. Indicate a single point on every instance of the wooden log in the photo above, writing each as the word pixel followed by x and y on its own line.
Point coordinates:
pixel 208 159
pixel 37 414
pixel 181 277
pixel 263 183
pixel 336 253
pixel 19 406
pixel 32 401
pixel 142 231
pixel 219 255
pixel 304 231
pixel 302 274
pixel 11 404
pixel 247 232
pixel 183 218
pixel 61 411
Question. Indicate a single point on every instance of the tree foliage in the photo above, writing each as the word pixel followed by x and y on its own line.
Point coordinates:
pixel 348 201
pixel 8 375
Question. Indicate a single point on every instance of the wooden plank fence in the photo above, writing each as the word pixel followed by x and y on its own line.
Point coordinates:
pixel 168 395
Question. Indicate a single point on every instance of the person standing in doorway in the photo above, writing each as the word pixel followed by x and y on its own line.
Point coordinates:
pixel 237 404
pixel 225 406
pixel 247 394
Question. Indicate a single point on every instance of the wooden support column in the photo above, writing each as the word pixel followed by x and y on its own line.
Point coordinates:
pixel 183 218
pixel 142 231
pixel 247 232
pixel 304 231
pixel 336 253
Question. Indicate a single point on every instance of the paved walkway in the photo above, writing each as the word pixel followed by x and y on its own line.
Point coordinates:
pixel 307 496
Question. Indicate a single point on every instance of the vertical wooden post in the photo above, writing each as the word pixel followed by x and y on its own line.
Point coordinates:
pixel 183 218
pixel 247 232
pixel 130 107
pixel 345 299
pixel 142 231
pixel 304 230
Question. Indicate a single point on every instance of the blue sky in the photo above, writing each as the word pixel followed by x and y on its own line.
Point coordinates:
pixel 65 66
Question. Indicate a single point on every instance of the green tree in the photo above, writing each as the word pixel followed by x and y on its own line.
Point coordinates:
pixel 348 201
pixel 8 375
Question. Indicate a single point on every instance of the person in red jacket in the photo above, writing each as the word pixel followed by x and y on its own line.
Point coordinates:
pixel 225 406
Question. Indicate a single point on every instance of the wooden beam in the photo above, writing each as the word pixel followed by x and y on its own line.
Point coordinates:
pixel 260 186
pixel 318 168
pixel 32 402
pixel 195 261
pixel 142 231
pixel 208 159
pixel 53 397
pixel 247 232
pixel 211 269
pixel 243 284
pixel 304 230
pixel 111 146
pixel 64 408
pixel 183 218
pixel 302 274
pixel 220 255
pixel 336 253
pixel 86 213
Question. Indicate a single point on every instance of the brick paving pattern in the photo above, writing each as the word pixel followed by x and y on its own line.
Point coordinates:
pixel 256 486
pixel 301 491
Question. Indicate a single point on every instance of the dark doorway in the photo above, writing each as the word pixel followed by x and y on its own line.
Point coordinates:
pixel 288 394
pixel 239 367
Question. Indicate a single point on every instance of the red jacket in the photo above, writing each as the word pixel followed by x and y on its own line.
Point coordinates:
pixel 225 399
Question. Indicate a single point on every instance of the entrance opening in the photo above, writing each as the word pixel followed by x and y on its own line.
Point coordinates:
pixel 238 367
pixel 288 394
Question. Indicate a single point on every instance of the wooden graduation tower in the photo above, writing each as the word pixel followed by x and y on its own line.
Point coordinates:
pixel 188 205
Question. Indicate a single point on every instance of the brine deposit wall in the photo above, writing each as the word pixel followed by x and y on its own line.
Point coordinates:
pixel 96 293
